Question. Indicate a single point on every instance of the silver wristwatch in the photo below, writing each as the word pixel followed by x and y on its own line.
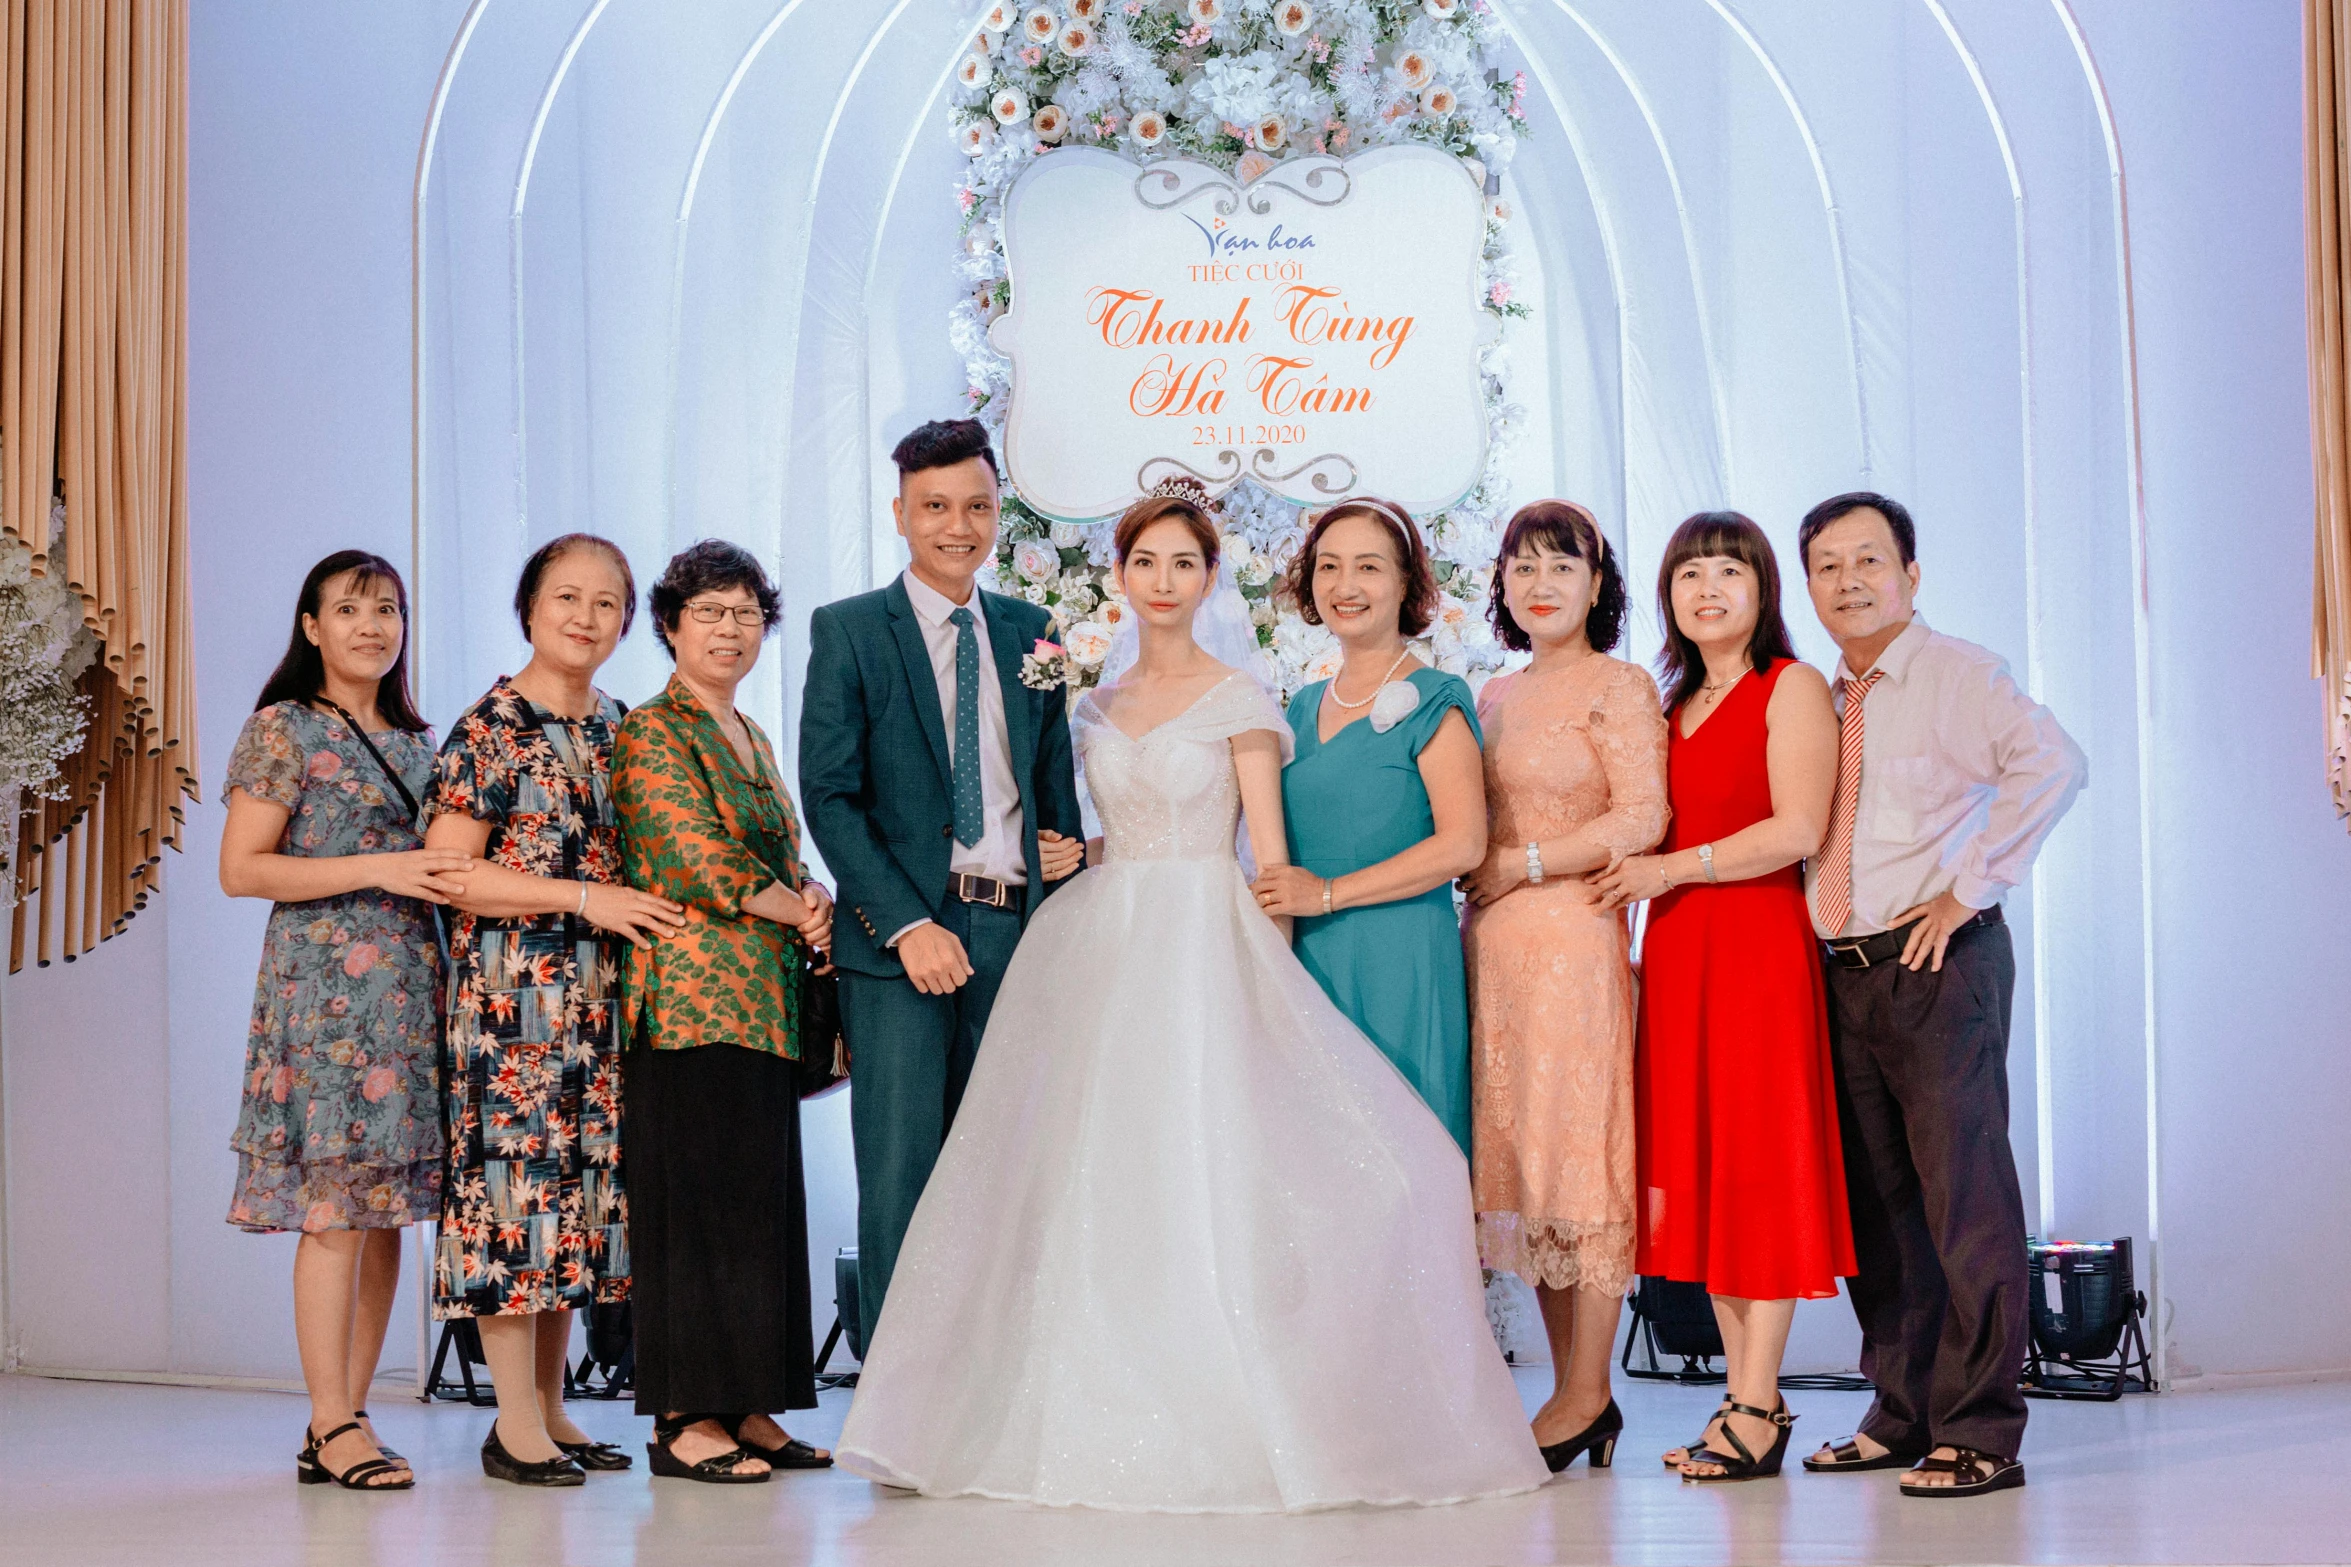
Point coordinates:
pixel 1534 864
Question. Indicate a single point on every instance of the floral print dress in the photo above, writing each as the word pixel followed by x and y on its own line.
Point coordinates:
pixel 339 1129
pixel 535 1216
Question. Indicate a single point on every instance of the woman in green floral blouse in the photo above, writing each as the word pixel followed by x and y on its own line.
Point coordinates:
pixel 718 1221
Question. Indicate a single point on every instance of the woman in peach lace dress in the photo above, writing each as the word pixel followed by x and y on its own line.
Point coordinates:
pixel 1575 778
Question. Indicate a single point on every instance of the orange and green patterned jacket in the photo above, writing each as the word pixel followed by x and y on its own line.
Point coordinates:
pixel 699 829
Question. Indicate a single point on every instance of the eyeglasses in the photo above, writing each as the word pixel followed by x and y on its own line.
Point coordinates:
pixel 712 614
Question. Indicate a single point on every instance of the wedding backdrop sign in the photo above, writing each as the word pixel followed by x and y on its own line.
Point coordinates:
pixel 1317 330
pixel 1144 174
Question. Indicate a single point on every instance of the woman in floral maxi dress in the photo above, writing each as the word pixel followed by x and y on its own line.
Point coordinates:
pixel 339 1137
pixel 535 1217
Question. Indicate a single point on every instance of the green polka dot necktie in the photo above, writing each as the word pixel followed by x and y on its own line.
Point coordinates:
pixel 964 778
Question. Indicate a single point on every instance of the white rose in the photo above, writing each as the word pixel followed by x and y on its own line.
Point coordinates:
pixel 1113 613
pixel 1088 644
pixel 1076 39
pixel 1441 10
pixel 999 17
pixel 1272 133
pixel 976 138
pixel 1150 128
pixel 1204 13
pixel 1036 561
pixel 1011 106
pixel 1293 17
pixel 1052 122
pixel 1086 10
pixel 1414 67
pixel 973 71
pixel 1040 25
pixel 1438 99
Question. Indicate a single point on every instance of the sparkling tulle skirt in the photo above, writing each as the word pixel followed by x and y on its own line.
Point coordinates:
pixel 1193 1246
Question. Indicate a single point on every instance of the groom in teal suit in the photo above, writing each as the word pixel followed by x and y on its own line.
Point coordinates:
pixel 940 791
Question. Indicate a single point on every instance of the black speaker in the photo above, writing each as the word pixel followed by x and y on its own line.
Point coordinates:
pixel 1670 1317
pixel 845 1321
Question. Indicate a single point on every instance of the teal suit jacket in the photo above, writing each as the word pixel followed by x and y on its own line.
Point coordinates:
pixel 874 768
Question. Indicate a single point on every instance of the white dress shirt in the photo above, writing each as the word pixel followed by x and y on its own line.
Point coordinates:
pixel 999 853
pixel 1962 776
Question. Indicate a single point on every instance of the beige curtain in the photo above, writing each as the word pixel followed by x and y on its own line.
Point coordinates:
pixel 93 352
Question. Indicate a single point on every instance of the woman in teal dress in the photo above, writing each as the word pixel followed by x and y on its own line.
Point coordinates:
pixel 1385 805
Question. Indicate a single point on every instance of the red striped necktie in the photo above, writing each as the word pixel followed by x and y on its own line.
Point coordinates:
pixel 1835 886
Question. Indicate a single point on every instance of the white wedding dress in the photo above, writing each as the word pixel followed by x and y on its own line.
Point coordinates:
pixel 1193 1245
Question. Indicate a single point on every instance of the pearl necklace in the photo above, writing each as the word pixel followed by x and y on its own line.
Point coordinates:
pixel 1375 690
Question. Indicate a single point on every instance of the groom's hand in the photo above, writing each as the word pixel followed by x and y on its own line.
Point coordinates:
pixel 934 959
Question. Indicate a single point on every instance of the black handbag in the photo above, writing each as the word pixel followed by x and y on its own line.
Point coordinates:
pixel 824 1050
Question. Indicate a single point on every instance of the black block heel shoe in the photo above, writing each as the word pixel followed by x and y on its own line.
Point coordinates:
pixel 311 1469
pixel 499 1464
pixel 1598 1439
pixel 793 1454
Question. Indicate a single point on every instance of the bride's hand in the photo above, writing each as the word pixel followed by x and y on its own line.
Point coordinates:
pixel 1058 856
pixel 1289 889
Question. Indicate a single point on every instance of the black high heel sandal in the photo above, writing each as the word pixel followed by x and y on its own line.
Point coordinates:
pixel 793 1454
pixel 361 1414
pixel 1746 1466
pixel 718 1469
pixel 1699 1441
pixel 499 1464
pixel 1598 1439
pixel 310 1469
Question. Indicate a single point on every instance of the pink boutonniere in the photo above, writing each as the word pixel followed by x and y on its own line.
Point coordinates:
pixel 1045 666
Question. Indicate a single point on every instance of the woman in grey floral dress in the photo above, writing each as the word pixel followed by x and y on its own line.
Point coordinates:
pixel 339 1139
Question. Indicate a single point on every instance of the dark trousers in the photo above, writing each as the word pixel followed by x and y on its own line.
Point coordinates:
pixel 718 1231
pixel 1938 1220
pixel 909 1057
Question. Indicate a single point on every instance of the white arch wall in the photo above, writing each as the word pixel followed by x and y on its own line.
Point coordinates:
pixel 1784 249
pixel 120 1071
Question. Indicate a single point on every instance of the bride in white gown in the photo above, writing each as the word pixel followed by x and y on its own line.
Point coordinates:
pixel 1194 1245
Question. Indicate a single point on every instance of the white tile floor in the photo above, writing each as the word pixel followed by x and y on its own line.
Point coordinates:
pixel 99 1474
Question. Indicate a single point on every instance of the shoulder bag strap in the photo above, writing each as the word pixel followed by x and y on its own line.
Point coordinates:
pixel 391 774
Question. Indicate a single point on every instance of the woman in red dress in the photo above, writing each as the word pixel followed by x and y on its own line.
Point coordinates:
pixel 1742 1184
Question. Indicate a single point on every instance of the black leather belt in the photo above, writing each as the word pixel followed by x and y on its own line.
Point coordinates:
pixel 984 890
pixel 1887 945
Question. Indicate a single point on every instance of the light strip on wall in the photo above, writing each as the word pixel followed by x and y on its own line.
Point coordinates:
pixel 417 642
pixel 2142 659
pixel 2044 1045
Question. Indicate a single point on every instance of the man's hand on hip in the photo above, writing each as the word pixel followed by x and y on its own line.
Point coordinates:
pixel 934 959
pixel 1937 922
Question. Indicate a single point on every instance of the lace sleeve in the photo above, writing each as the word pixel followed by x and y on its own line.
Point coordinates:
pixel 1628 732
pixel 1236 707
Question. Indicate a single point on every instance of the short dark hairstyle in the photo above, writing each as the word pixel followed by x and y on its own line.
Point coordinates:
pixel 1412 558
pixel 526 587
pixel 1192 513
pixel 1731 534
pixel 709 566
pixel 302 674
pixel 1835 507
pixel 943 443
pixel 1564 528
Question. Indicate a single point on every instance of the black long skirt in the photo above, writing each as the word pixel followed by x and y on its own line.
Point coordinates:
pixel 718 1231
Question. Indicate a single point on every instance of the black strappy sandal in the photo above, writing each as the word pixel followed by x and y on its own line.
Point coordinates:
pixel 599 1456
pixel 1746 1466
pixel 1697 1442
pixel 793 1454
pixel 718 1469
pixel 1973 1474
pixel 311 1469
pixel 1846 1458
pixel 361 1414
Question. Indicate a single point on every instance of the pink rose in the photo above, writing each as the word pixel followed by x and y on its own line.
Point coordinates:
pixel 337 1006
pixel 324 765
pixel 380 1082
pixel 321 1216
pixel 361 958
pixel 281 1083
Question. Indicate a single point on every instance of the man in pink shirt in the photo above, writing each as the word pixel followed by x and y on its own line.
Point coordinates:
pixel 1949 777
